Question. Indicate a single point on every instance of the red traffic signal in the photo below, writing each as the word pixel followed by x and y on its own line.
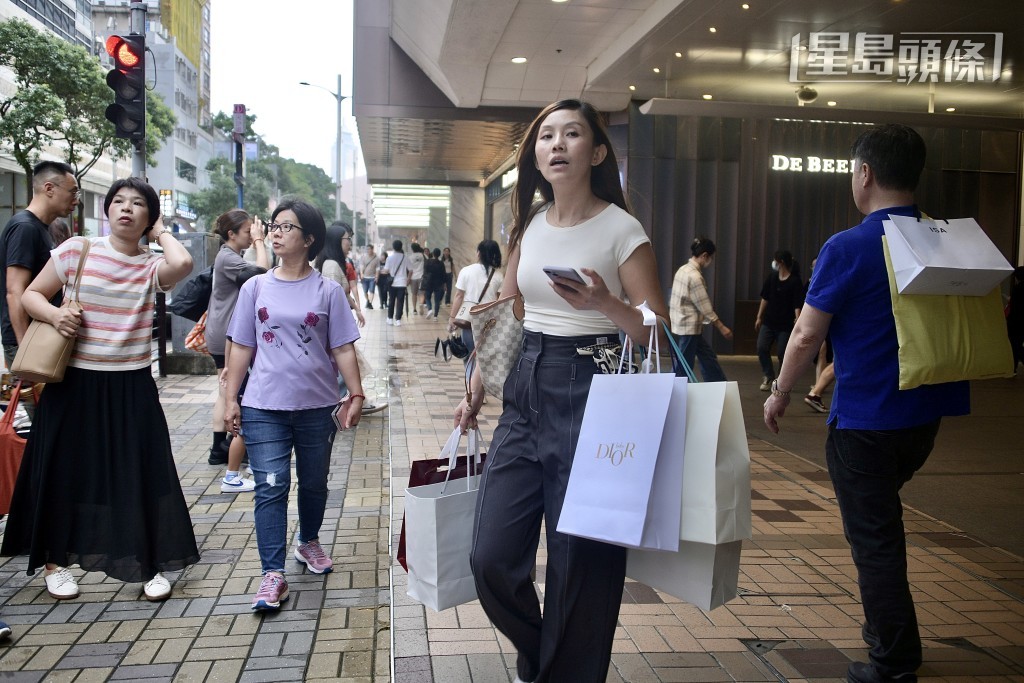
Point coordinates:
pixel 128 51
pixel 128 81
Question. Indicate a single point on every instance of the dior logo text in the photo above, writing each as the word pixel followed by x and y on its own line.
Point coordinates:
pixel 615 452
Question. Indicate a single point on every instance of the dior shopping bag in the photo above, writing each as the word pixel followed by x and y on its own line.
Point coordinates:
pixel 628 465
pixel 705 575
pixel 439 537
pixel 948 338
pixel 943 256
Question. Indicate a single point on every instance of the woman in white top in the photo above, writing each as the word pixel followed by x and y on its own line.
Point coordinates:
pixel 478 283
pixel 582 222
pixel 399 269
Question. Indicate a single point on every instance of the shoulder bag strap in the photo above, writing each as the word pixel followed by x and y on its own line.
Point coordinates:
pixel 86 244
pixel 487 284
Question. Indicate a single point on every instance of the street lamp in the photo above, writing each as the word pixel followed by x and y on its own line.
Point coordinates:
pixel 337 152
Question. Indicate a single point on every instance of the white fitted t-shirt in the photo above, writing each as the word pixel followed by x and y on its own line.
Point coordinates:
pixel 602 243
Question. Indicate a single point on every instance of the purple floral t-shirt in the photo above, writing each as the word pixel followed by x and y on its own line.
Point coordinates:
pixel 293 325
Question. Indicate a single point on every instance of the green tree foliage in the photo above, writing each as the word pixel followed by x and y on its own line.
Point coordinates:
pixel 60 101
pixel 271 176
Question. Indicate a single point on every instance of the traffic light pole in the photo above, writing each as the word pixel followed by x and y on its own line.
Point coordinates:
pixel 138 27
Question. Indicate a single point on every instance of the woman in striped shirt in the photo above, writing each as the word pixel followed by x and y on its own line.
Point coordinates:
pixel 98 485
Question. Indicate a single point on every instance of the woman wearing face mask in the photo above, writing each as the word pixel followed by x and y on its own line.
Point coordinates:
pixel 781 299
pixel 98 486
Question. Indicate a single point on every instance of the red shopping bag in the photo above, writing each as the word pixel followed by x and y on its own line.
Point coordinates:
pixel 12 448
pixel 435 471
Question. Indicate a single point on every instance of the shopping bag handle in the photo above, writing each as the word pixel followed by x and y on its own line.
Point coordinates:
pixel 451 450
pixel 679 353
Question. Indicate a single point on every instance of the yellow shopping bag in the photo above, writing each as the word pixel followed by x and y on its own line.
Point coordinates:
pixel 946 338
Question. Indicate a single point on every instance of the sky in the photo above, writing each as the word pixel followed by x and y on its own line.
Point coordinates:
pixel 261 49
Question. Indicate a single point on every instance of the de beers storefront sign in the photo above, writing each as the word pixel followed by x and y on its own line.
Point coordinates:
pixel 809 164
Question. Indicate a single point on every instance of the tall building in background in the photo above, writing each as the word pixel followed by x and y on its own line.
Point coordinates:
pixel 178 37
pixel 68 19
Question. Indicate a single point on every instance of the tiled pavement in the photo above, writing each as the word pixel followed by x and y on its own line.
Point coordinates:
pixel 797 618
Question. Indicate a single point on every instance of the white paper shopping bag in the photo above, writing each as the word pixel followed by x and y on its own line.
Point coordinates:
pixel 702 574
pixel 716 466
pixel 609 489
pixel 943 257
pixel 439 538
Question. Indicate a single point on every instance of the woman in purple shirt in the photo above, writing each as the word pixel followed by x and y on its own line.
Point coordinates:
pixel 302 327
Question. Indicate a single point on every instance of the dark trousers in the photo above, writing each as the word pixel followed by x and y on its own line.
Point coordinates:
pixel 383 289
pixel 868 469
pixel 765 336
pixel 695 348
pixel 448 288
pixel 396 302
pixel 524 482
pixel 432 298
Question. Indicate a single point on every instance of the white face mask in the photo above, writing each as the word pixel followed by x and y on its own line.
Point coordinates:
pixel 775 266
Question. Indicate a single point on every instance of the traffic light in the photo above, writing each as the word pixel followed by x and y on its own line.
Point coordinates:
pixel 128 81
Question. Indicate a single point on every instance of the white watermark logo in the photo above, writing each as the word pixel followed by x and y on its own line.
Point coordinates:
pixel 914 57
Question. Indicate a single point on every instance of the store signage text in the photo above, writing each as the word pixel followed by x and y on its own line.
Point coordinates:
pixel 908 57
pixel 781 162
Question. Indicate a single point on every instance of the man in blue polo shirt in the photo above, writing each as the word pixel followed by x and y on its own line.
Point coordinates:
pixel 878 436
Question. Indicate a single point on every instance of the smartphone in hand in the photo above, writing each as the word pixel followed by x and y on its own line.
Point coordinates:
pixel 567 273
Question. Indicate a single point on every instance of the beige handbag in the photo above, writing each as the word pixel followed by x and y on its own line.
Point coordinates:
pixel 44 352
pixel 498 336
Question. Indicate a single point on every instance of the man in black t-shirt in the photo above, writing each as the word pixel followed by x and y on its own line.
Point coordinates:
pixel 25 245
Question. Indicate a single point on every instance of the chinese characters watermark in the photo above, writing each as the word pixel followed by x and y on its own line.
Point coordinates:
pixel 914 57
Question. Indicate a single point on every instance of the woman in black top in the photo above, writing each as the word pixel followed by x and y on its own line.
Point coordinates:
pixel 433 283
pixel 781 299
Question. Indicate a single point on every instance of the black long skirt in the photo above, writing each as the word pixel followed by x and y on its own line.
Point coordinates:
pixel 98 486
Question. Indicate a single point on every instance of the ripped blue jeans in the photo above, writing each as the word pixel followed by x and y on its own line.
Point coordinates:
pixel 270 436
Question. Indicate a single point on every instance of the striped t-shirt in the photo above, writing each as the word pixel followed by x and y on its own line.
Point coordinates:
pixel 118 294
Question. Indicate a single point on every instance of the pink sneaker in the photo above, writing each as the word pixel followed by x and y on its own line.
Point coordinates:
pixel 313 556
pixel 273 591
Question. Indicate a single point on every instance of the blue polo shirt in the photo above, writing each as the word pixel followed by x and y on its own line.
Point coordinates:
pixel 850 282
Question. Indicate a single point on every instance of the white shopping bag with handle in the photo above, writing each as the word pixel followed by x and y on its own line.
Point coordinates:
pixel 439 533
pixel 943 256
pixel 628 465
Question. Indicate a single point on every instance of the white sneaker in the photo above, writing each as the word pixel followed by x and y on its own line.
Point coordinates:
pixel 390 321
pixel 766 384
pixel 157 589
pixel 61 584
pixel 430 314
pixel 236 485
pixel 398 323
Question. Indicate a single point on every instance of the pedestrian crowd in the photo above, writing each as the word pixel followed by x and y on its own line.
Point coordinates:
pixel 96 491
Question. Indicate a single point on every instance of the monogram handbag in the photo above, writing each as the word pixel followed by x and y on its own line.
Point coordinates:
pixel 44 352
pixel 498 335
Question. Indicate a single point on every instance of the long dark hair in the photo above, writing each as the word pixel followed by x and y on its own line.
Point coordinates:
pixel 604 178
pixel 332 250
pixel 490 254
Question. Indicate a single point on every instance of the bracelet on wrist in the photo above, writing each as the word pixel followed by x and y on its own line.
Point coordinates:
pixel 351 396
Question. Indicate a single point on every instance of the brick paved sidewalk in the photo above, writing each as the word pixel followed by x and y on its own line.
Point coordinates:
pixel 798 617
